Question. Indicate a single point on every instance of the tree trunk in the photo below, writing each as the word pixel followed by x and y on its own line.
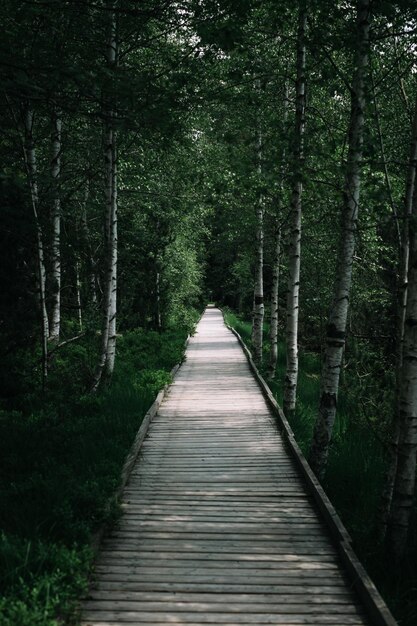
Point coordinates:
pixel 409 204
pixel 56 229
pixel 276 261
pixel 291 373
pixel 78 293
pixel 158 316
pixel 108 333
pixel 31 167
pixel 90 264
pixel 111 348
pixel 273 332
pixel 405 478
pixel 336 326
pixel 258 292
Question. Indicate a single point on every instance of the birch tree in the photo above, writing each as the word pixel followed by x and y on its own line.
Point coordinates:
pixel 405 476
pixel 258 293
pixel 56 228
pixel 276 260
pixel 294 253
pixel 337 321
pixel 409 201
pixel 112 252
pixel 32 175
pixel 108 332
pixel 273 329
pixel 85 236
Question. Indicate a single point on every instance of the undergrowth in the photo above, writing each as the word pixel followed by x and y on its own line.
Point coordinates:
pixel 356 463
pixel 61 456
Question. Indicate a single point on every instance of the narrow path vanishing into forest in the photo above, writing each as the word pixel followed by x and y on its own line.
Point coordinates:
pixel 219 526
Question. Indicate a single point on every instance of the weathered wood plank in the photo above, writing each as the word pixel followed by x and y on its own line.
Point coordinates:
pixel 160 546
pixel 220 587
pixel 161 617
pixel 335 598
pixel 212 606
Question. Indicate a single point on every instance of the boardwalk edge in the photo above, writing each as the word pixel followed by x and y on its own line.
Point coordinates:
pixel 370 596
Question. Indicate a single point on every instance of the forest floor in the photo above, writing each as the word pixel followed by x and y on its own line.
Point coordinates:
pixel 354 475
pixel 61 455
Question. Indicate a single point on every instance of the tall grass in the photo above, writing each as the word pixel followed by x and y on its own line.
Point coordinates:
pixel 354 473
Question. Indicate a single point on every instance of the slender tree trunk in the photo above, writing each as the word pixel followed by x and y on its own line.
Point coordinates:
pixel 405 478
pixel 258 292
pixel 276 261
pixel 56 228
pixel 158 317
pixel 291 374
pixel 78 292
pixel 108 333
pixel 410 191
pixel 336 326
pixel 31 167
pixel 113 250
pixel 273 332
pixel 90 269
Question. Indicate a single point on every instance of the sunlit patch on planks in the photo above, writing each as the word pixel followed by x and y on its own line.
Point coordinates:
pixel 218 526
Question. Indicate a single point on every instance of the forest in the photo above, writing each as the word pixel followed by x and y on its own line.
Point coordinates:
pixel 157 156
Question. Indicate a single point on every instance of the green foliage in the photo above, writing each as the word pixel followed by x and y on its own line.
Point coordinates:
pixel 43 580
pixel 60 466
pixel 242 327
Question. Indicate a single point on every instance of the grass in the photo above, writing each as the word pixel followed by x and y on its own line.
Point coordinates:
pixel 60 461
pixel 355 468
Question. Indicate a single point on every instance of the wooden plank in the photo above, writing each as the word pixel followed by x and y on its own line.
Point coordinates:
pixel 148 557
pixel 204 512
pixel 230 622
pixel 268 534
pixel 276 500
pixel 252 508
pixel 334 598
pixel 309 590
pixel 213 606
pixel 202 571
pixel 231 490
pixel 290 522
pixel 151 546
pixel 223 563
pixel 141 617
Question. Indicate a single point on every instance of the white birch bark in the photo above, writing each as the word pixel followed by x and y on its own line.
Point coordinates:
pixel 405 478
pixel 32 173
pixel 56 229
pixel 258 292
pixel 108 333
pixel 409 203
pixel 276 261
pixel 336 326
pixel 294 261
pixel 158 316
pixel 113 250
pixel 90 269
pixel 273 333
pixel 78 293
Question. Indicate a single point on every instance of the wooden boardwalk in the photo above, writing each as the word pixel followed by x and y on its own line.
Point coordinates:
pixel 218 524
